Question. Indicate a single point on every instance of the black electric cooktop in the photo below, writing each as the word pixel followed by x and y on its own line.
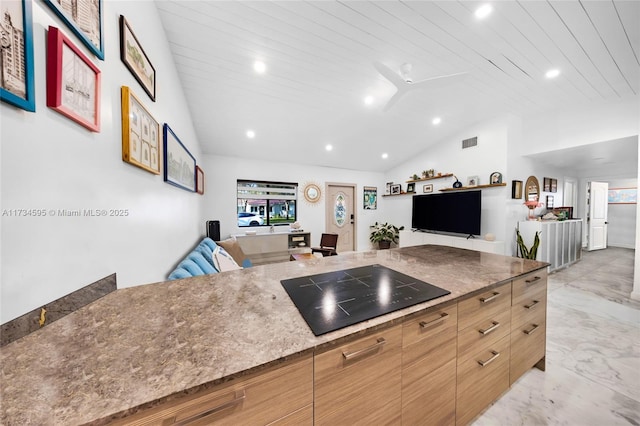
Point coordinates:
pixel 334 300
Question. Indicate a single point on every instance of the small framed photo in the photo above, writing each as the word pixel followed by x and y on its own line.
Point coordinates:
pixel 133 56
pixel 549 201
pixel 84 18
pixel 554 185
pixel 411 187
pixel 73 82
pixel 199 180
pixel 495 178
pixel 516 189
pixel 179 164
pixel 140 134
pixel 395 189
pixel 17 82
pixel 388 188
pixel 473 181
pixel 546 184
pixel 426 189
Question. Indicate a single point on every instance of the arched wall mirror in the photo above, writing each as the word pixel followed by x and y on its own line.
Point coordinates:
pixel 532 189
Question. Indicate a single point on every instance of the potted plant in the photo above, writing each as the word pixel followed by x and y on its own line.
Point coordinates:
pixel 384 234
pixel 524 251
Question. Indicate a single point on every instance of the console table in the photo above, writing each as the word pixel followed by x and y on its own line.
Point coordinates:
pixel 417 238
pixel 273 247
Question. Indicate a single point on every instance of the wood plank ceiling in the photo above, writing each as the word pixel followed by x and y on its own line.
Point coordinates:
pixel 320 54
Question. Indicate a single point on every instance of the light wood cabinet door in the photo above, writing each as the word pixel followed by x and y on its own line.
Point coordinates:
pixel 482 378
pixel 484 305
pixel 429 368
pixel 259 399
pixel 484 333
pixel 359 383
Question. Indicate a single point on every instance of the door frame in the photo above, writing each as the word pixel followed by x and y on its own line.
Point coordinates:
pixel 327 216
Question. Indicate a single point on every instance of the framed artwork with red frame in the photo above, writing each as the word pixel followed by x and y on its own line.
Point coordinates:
pixel 73 82
pixel 199 180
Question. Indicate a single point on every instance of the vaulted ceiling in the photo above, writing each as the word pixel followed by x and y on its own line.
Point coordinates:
pixel 320 56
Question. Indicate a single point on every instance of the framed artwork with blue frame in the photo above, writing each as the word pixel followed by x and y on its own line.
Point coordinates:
pixel 179 164
pixel 16 35
pixel 84 18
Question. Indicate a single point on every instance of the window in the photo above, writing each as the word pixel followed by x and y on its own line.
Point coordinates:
pixel 266 203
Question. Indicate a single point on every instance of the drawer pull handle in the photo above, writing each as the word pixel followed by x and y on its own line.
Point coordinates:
pixel 532 305
pixel 349 356
pixel 239 396
pixel 424 324
pixel 528 332
pixel 490 298
pixel 495 325
pixel 533 280
pixel 490 360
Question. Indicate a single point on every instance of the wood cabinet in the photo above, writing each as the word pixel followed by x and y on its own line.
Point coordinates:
pixel 429 368
pixel 528 329
pixel 281 396
pixel 359 382
pixel 484 325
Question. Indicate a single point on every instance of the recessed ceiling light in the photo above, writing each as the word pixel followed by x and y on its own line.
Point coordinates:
pixel 552 73
pixel 328 147
pixel 436 121
pixel 483 11
pixel 385 155
pixel 368 100
pixel 259 67
pixel 251 134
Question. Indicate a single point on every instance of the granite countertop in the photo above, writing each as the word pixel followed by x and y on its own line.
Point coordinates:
pixel 141 345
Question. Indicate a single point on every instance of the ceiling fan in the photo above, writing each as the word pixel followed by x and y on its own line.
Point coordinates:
pixel 405 83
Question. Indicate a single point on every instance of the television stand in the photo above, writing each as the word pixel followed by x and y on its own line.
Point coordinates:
pixel 409 238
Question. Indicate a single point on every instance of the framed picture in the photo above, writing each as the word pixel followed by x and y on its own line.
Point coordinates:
pixel 199 180
pixel 473 181
pixel 516 189
pixel 396 189
pixel 427 188
pixel 622 196
pixel 411 187
pixel 179 164
pixel 388 188
pixel 546 184
pixel 140 134
pixel 73 82
pixel 549 201
pixel 370 198
pixel 135 58
pixel 84 18
pixel 17 82
pixel 554 185
pixel 495 178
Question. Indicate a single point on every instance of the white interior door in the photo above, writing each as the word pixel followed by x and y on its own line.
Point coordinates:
pixel 341 215
pixel 597 217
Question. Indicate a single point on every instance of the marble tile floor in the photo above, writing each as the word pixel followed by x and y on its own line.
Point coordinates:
pixel 592 375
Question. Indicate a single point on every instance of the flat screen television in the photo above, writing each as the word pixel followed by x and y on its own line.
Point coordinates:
pixel 453 212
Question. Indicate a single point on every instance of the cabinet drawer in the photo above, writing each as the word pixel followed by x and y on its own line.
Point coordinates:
pixel 530 309
pixel 478 385
pixel 302 417
pixel 430 338
pixel 432 399
pixel 483 334
pixel 259 399
pixel 525 286
pixel 528 346
pixel 360 382
pixel 484 305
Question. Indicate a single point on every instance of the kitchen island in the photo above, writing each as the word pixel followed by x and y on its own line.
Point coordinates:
pixel 140 349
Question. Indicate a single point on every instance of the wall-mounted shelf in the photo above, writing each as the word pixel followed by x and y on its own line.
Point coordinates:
pixel 446 175
pixel 467 188
pixel 397 195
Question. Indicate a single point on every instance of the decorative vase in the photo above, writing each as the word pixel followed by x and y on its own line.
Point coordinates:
pixel 383 245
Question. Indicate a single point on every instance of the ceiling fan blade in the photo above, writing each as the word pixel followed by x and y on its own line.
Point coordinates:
pixel 389 74
pixel 440 81
pixel 395 98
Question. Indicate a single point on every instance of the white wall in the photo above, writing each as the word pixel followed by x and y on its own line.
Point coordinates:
pixel 222 174
pixel 51 163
